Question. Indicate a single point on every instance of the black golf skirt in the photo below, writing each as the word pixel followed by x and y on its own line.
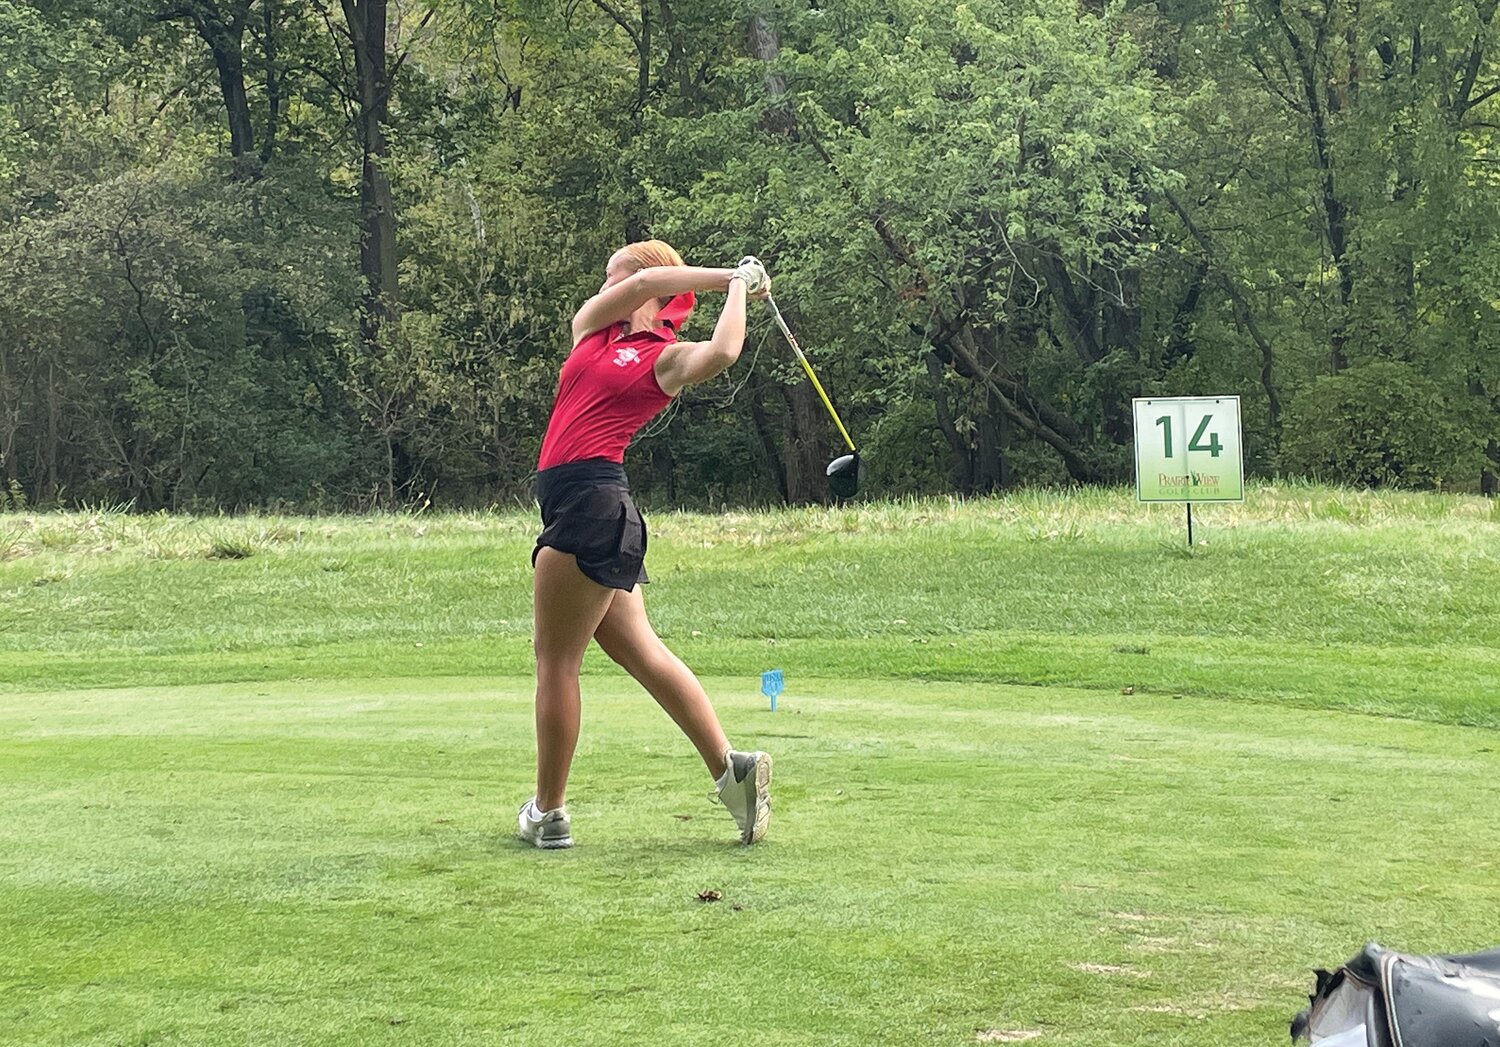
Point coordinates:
pixel 587 511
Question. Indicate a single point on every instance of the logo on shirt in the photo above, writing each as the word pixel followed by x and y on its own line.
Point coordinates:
pixel 626 356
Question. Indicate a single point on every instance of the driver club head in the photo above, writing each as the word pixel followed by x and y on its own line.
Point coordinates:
pixel 844 474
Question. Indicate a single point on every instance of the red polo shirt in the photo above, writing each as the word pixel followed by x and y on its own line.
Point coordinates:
pixel 608 389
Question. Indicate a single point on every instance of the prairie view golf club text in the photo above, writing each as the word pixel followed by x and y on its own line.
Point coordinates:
pixel 1188 480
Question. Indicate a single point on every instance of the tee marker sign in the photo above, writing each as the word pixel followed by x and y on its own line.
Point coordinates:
pixel 1188 449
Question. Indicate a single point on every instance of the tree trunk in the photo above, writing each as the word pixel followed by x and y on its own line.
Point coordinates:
pixel 765 46
pixel 380 301
pixel 1077 308
pixel 1489 473
pixel 1006 431
pixel 1079 467
pixel 805 453
pixel 1321 107
pixel 763 430
pixel 1180 344
pixel 390 470
pixel 49 487
pixel 377 251
pixel 231 66
pixel 273 82
pixel 987 460
pixel 222 27
pixel 664 468
pixel 10 424
pixel 960 474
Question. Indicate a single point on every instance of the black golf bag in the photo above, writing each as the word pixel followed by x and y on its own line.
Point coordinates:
pixel 1406 1001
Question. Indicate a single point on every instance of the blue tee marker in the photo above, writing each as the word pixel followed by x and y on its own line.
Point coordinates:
pixel 771 685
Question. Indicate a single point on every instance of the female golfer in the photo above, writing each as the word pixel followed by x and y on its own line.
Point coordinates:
pixel 626 365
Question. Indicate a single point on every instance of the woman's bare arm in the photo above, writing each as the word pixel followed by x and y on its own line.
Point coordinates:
pixel 687 363
pixel 618 301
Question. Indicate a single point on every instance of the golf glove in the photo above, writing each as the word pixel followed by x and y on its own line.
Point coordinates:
pixel 753 273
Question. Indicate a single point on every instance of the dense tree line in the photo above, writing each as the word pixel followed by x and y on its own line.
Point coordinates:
pixel 322 255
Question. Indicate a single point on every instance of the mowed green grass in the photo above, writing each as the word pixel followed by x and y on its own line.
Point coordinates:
pixel 1043 774
pixel 332 863
pixel 1323 598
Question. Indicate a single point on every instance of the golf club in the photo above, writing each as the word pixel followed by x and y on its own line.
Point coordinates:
pixel 844 471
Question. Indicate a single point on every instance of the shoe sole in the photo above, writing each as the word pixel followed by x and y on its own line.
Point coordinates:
pixel 544 843
pixel 539 839
pixel 762 819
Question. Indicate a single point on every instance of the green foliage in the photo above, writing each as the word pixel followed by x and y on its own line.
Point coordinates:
pixel 904 451
pixel 1383 424
pixel 193 327
pixel 1058 205
pixel 13 498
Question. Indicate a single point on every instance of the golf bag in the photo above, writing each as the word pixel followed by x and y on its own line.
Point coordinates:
pixel 1399 1000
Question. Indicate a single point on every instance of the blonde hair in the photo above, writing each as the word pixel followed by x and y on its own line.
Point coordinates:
pixel 646 253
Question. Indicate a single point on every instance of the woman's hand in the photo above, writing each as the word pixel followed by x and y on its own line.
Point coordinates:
pixel 757 281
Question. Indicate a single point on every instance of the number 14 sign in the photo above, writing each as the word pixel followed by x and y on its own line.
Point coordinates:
pixel 1187 449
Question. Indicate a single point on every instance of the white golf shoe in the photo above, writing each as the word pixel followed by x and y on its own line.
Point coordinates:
pixel 745 789
pixel 548 830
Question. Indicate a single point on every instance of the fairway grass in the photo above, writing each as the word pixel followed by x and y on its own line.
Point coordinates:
pixel 1043 774
pixel 1386 603
pixel 333 863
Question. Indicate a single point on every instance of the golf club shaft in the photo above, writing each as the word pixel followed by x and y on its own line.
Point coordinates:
pixel 802 359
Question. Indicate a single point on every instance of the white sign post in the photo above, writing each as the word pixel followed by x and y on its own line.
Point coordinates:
pixel 1189 449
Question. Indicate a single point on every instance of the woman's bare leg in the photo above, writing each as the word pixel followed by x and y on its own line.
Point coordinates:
pixel 626 636
pixel 568 607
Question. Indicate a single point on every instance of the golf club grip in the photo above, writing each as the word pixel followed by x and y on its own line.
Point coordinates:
pixel 806 366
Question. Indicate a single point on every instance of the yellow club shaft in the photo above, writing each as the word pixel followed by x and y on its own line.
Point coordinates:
pixel 802 359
